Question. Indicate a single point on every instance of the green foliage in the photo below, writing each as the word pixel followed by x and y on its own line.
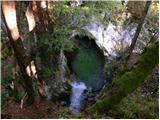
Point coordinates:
pixel 47 73
pixel 125 110
pixel 5 49
pixel 50 46
pixel 67 18
pixel 108 7
pixel 62 40
pixel 65 113
pixel 46 58
pixel 46 40
pixel 58 40
pixel 134 107
pixel 11 89
pixel 85 33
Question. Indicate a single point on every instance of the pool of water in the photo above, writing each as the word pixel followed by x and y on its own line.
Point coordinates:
pixel 88 65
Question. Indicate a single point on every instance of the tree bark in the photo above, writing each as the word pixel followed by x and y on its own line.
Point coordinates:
pixel 140 25
pixel 33 68
pixel 9 13
pixel 129 81
pixel 138 30
pixel 43 15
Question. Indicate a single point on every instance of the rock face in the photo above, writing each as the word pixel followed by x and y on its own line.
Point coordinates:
pixel 112 38
pixel 58 88
pixel 58 92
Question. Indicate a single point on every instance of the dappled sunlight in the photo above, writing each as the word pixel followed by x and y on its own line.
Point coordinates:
pixel 31 69
pixel 28 70
pixel 12 85
pixel 30 19
pixel 10 17
pixel 43 4
pixel 34 6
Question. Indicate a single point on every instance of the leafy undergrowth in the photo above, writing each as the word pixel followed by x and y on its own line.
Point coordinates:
pixel 138 106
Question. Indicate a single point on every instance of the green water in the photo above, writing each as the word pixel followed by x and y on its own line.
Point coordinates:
pixel 88 66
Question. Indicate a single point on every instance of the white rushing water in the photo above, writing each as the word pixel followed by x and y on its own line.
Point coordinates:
pixel 47 89
pixel 62 65
pixel 76 96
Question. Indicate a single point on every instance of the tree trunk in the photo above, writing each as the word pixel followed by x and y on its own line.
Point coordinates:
pixel 129 81
pixel 43 15
pixel 33 68
pixel 138 30
pixel 9 13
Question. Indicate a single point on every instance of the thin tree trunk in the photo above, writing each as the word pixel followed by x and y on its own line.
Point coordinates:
pixel 43 15
pixel 129 81
pixel 33 68
pixel 9 13
pixel 138 30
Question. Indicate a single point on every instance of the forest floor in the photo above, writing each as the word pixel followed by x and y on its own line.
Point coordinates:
pixel 142 103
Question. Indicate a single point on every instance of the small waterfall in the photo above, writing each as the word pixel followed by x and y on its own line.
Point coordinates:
pixel 47 89
pixel 76 96
pixel 62 65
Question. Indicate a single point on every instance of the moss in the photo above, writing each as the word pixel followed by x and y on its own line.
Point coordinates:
pixel 129 81
pixel 136 106
pixel 133 78
pixel 113 96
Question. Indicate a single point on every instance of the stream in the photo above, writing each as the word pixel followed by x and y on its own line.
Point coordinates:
pixel 77 96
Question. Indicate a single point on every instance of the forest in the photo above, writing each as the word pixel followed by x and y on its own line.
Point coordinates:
pixel 79 59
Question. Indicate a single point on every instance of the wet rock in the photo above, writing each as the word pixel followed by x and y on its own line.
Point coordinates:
pixel 62 90
pixel 91 99
pixel 63 103
pixel 91 95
